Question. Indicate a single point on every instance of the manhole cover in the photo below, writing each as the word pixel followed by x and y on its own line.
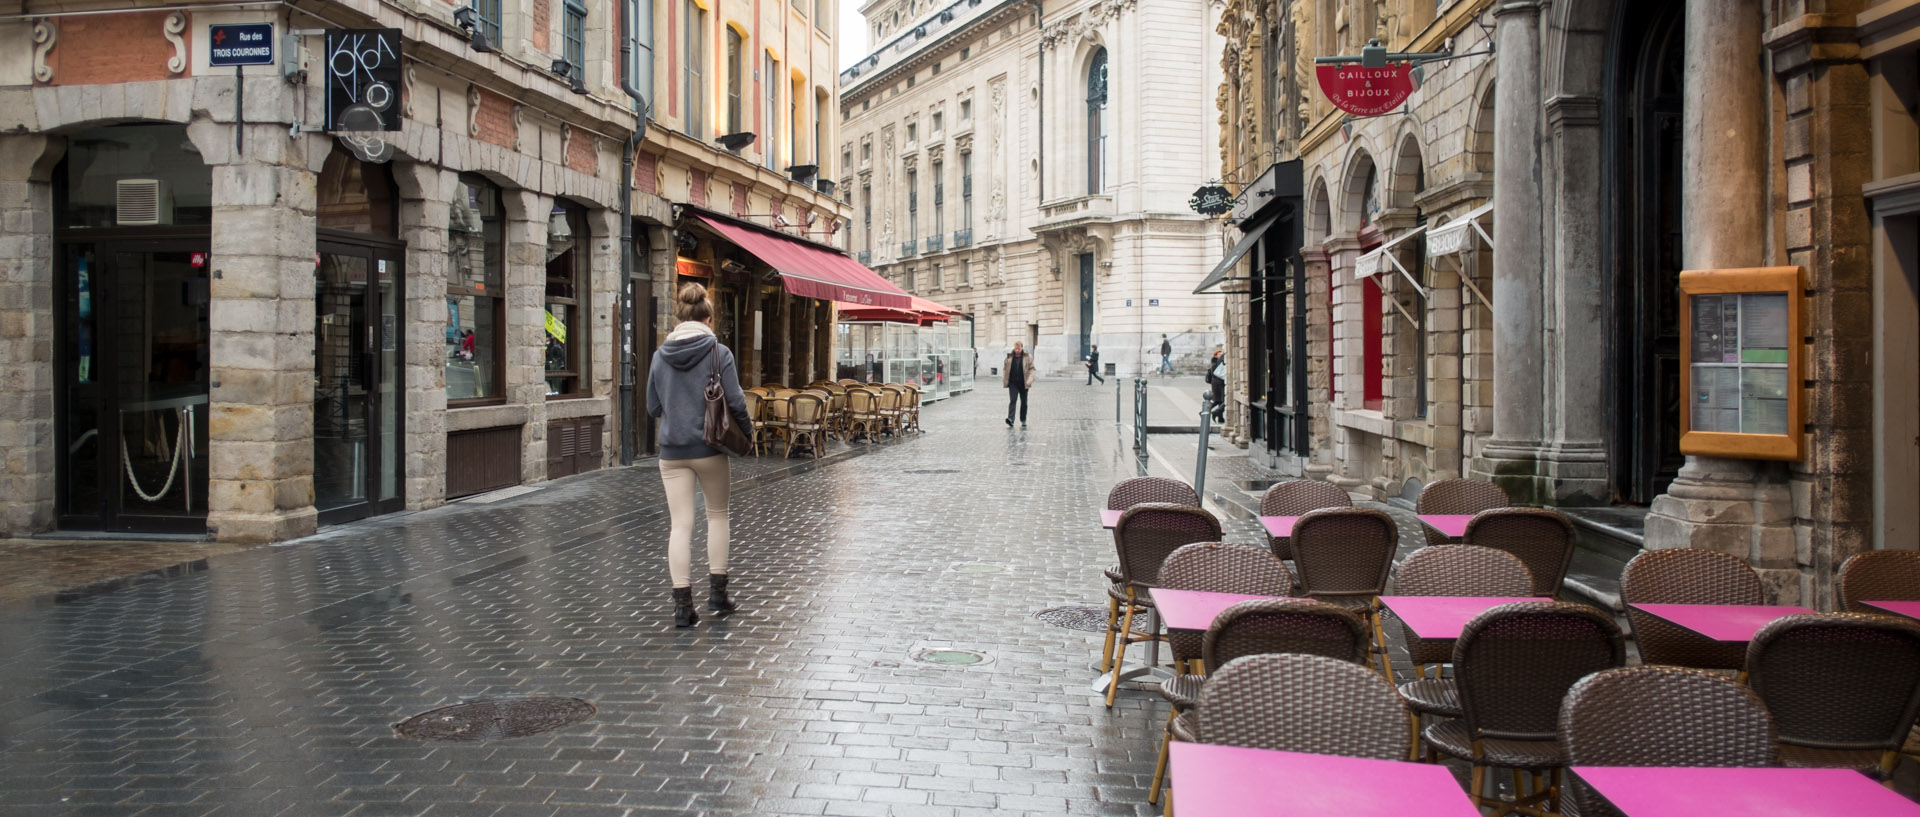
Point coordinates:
pixel 978 568
pixel 496 720
pixel 1089 619
pixel 934 471
pixel 950 657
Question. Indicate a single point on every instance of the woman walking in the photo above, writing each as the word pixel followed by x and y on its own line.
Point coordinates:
pixel 676 394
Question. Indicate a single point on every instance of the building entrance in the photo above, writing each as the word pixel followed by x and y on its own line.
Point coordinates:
pixel 356 379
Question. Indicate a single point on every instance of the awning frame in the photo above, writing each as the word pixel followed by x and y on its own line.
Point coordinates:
pixel 1386 251
pixel 1222 271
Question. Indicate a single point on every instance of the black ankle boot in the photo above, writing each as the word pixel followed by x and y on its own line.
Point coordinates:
pixel 683 613
pixel 717 594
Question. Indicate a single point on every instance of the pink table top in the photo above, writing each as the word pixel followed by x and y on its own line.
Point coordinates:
pixel 1454 525
pixel 1230 781
pixel 1193 609
pixel 1109 518
pixel 1910 609
pixel 1673 792
pixel 1728 623
pixel 1443 617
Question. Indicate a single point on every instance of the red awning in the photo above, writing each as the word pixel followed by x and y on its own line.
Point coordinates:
pixel 922 312
pixel 812 272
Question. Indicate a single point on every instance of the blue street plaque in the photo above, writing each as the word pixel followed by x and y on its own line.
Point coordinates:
pixel 1153 302
pixel 243 44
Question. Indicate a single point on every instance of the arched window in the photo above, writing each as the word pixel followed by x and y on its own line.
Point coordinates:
pixel 1097 122
pixel 1369 198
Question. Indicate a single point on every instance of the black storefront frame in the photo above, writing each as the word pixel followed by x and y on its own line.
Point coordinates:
pixel 376 249
pixel 1276 361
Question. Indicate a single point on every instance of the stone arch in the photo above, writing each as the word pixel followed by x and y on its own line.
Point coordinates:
pixel 1360 179
pixel 1575 49
pixel 1481 147
pixel 1409 175
pixel 1319 212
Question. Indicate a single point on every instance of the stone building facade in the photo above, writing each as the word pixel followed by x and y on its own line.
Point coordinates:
pixel 220 319
pixel 1030 164
pixel 1494 268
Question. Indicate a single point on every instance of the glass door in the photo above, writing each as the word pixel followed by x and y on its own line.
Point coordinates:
pixel 133 386
pixel 356 377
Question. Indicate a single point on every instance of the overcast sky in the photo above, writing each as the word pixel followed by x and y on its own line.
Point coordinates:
pixel 852 34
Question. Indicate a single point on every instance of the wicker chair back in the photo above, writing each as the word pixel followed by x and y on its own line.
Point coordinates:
pixel 1303 703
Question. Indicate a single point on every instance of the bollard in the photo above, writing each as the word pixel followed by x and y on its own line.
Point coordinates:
pixel 1116 401
pixel 1200 463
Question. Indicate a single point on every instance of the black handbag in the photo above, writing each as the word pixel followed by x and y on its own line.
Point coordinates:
pixel 720 431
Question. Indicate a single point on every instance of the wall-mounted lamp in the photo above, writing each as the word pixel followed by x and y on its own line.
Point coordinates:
pixel 565 70
pixel 467 19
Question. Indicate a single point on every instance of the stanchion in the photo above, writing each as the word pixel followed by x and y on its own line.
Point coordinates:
pixel 1200 463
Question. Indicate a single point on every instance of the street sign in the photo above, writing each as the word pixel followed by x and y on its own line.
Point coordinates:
pixel 1211 200
pixel 1364 91
pixel 363 79
pixel 240 44
pixel 1153 302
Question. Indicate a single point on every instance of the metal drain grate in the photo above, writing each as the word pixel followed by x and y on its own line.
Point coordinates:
pixel 1089 619
pixel 950 657
pixel 496 720
pixel 934 471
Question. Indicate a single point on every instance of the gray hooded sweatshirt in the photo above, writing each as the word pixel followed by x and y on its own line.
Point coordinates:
pixel 677 390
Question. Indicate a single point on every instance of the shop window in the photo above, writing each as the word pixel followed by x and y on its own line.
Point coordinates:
pixel 476 297
pixel 135 176
pixel 355 196
pixel 1373 391
pixel 568 332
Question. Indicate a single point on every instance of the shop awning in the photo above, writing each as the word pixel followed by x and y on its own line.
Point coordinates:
pixel 1382 258
pixel 1239 251
pixel 1455 236
pixel 922 311
pixel 809 271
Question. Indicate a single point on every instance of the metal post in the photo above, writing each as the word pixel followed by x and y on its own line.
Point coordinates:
pixel 1116 400
pixel 1200 463
pixel 1140 417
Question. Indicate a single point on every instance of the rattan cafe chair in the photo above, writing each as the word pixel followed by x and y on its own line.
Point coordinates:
pixel 775 412
pixel 1843 688
pixel 1144 538
pixel 863 414
pixel 1342 556
pixel 1448 570
pixel 1878 575
pixel 1297 498
pixel 1660 716
pixel 1301 703
pixel 1541 538
pixel 1457 497
pixel 806 424
pixel 1126 494
pixel 1258 627
pixel 1513 665
pixel 1686 576
pixel 754 412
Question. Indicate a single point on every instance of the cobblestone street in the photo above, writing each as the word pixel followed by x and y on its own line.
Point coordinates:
pixel 269 683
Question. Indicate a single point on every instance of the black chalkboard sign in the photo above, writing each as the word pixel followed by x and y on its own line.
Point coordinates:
pixel 363 79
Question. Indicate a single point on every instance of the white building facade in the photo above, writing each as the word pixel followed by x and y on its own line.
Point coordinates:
pixel 1031 162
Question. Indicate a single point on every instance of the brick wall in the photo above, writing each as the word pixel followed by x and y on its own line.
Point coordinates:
pixel 542 24
pixel 139 49
pixel 496 119
pixel 646 173
pixel 581 155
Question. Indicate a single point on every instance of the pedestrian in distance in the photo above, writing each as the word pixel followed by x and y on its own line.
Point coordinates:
pixel 1017 376
pixel 1093 366
pixel 1217 379
pixel 676 395
pixel 1166 356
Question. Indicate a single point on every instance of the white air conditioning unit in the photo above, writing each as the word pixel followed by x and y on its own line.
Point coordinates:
pixel 142 202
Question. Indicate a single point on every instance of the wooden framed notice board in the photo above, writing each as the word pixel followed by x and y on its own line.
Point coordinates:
pixel 1740 330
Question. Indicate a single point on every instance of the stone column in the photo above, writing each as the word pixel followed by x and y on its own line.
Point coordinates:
pixel 1519 264
pixel 1318 462
pixel 1739 507
pixel 424 194
pixel 527 214
pixel 27 308
pixel 1576 454
pixel 260 421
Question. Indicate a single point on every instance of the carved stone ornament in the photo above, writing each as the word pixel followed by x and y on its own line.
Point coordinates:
pixel 566 140
pixel 1084 25
pixel 910 162
pixel 175 25
pixel 473 110
pixel 45 34
pixel 411 82
pixel 936 153
pixel 519 117
pixel 963 143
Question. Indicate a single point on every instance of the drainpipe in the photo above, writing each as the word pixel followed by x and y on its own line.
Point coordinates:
pixel 1040 53
pixel 642 111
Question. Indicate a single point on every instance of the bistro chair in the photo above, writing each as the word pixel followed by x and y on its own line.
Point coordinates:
pixel 910 410
pixel 1449 570
pixel 806 423
pixel 1541 538
pixel 1144 538
pixel 1513 665
pixel 1879 575
pixel 1457 496
pixel 1342 556
pixel 1686 576
pixel 1297 498
pixel 754 412
pixel 1301 703
pixel 863 414
pixel 1218 567
pixel 775 412
pixel 770 385
pixel 1257 627
pixel 890 411
pixel 1128 493
pixel 1843 688
pixel 849 382
pixel 837 412
pixel 1660 716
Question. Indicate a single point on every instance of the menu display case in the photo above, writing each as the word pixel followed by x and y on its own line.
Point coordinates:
pixel 1742 334
pixel 939 357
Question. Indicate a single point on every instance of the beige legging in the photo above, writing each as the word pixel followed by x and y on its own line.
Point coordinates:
pixel 679 477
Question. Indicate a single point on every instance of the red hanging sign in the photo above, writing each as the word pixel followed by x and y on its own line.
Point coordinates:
pixel 1363 91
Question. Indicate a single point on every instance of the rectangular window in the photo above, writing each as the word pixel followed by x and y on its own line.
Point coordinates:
pixel 913 205
pixel 695 81
pixel 966 110
pixel 820 132
pixel 736 69
pixel 476 296
pixel 1373 387
pixel 936 69
pixel 487 16
pixel 966 52
pixel 936 276
pixel 939 123
pixel 793 120
pixel 567 332
pixel 770 146
pixel 866 152
pixel 966 191
pixel 913 134
pixel 639 24
pixel 966 272
pixel 821 14
pixel 573 31
pixel 866 215
pixel 939 198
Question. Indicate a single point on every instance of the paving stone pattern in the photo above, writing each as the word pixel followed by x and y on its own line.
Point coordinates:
pixel 270 683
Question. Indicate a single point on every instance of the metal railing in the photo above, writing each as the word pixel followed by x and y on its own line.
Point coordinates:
pixel 909 249
pixel 962 238
pixel 933 243
pixel 866 258
pixel 1140 417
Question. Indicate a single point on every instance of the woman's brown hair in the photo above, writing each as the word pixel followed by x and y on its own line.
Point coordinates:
pixel 691 304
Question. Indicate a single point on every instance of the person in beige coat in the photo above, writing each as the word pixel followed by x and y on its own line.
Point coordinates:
pixel 1017 361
